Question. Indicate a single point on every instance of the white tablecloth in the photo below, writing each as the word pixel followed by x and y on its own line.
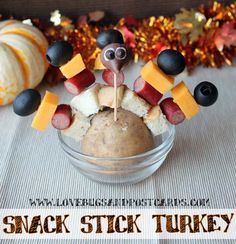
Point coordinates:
pixel 202 163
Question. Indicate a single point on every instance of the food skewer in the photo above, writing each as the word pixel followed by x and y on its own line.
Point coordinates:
pixel 115 97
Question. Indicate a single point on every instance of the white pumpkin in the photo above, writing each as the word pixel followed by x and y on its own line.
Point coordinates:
pixel 22 58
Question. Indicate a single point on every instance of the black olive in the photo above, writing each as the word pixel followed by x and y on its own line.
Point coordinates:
pixel 171 62
pixel 205 93
pixel 59 53
pixel 27 102
pixel 109 36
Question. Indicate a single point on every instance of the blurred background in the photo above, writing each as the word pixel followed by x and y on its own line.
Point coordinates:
pixel 116 9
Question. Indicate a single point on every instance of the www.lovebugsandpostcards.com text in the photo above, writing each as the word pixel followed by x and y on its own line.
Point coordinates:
pixel 119 202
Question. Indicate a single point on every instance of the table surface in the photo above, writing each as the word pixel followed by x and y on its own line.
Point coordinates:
pixel 202 163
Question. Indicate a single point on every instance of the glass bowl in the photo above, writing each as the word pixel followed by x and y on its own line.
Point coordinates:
pixel 123 169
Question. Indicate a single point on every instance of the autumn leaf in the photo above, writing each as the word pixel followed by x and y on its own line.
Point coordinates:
pixel 129 36
pixel 190 24
pixel 96 15
pixel 225 36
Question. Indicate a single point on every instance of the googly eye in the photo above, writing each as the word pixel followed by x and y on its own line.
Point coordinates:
pixel 109 54
pixel 121 53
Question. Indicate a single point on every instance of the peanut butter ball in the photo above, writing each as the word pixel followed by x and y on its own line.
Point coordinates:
pixel 128 136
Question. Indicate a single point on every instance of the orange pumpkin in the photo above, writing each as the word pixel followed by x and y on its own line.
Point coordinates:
pixel 22 58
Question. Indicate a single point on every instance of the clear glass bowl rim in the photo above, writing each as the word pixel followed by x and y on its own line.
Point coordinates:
pixel 159 149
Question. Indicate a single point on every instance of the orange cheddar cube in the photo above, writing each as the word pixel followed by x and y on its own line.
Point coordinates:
pixel 98 64
pixel 73 67
pixel 185 100
pixel 45 111
pixel 151 73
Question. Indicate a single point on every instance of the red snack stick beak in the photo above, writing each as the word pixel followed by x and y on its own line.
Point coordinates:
pixel 108 77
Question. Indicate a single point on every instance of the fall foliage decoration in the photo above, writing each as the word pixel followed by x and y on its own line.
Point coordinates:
pixel 205 36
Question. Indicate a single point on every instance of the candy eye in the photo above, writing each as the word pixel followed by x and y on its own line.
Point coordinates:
pixel 121 53
pixel 109 54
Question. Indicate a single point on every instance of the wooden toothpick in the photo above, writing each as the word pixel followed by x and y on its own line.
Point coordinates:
pixel 115 96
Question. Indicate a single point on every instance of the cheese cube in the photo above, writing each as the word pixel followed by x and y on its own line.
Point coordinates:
pixel 45 111
pixel 135 104
pixel 78 128
pixel 156 121
pixel 185 100
pixel 151 73
pixel 87 101
pixel 98 64
pixel 73 67
pixel 106 96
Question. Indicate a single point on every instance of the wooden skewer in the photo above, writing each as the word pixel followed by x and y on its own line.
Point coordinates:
pixel 115 97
